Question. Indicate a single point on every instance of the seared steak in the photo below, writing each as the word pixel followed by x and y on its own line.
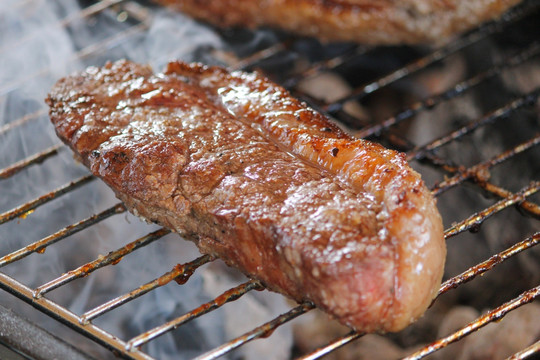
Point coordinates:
pixel 364 21
pixel 253 176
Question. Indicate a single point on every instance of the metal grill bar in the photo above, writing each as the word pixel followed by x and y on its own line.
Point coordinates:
pixel 181 273
pixel 489 263
pixel 336 344
pixel 530 207
pixel 39 246
pixel 524 100
pixel 478 171
pixel 480 180
pixel 68 318
pixel 22 120
pixel 27 208
pixel 528 352
pixel 261 331
pixel 493 315
pixel 112 258
pixel 475 220
pixel 325 65
pixel 455 91
pixel 253 59
pixel 227 296
pixel 31 160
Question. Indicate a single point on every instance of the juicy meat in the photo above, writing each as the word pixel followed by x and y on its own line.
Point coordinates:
pixel 364 21
pixel 253 176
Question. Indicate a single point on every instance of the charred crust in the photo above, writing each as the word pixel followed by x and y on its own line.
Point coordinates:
pixel 120 157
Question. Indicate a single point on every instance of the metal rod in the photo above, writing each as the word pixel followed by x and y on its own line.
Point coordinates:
pixel 112 258
pixel 31 160
pixel 261 331
pixel 529 352
pixel 25 209
pixel 22 120
pixel 474 221
pixel 40 245
pixel 258 56
pixel 455 91
pixel 478 171
pixel 68 318
pixel 328 64
pixel 489 264
pixel 227 296
pixel 334 345
pixel 528 206
pixel 179 273
pixel 489 317
pixel 524 100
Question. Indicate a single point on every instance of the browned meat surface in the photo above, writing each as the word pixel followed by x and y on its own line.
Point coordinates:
pixel 364 21
pixel 253 176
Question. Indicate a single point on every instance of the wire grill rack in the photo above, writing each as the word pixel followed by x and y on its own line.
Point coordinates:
pixel 138 16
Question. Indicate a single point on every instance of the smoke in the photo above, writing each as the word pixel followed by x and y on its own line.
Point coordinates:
pixel 41 41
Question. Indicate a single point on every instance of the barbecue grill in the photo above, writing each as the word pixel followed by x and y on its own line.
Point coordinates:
pixel 465 112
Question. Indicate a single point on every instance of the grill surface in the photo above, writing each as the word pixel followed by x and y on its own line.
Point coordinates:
pixel 488 160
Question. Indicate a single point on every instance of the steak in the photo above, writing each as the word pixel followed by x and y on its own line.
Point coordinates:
pixel 364 21
pixel 253 176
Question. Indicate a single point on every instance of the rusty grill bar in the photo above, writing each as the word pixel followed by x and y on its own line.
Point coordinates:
pixel 491 316
pixel 455 176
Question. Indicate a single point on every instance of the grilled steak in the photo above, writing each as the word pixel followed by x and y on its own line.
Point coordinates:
pixel 253 176
pixel 365 21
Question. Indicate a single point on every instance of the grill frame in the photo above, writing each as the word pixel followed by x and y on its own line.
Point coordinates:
pixel 129 348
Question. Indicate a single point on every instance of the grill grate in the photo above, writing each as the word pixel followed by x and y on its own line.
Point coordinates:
pixel 135 18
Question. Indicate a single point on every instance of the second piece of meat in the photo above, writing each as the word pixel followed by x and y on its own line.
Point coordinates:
pixel 363 21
